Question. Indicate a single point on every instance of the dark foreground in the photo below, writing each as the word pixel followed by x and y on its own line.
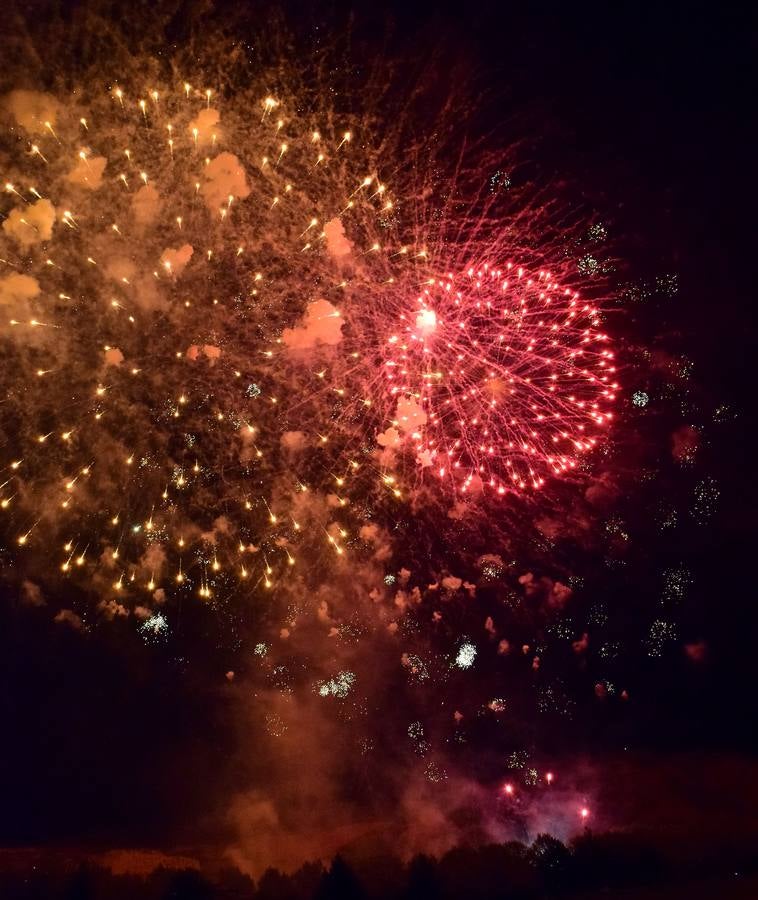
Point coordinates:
pixel 616 865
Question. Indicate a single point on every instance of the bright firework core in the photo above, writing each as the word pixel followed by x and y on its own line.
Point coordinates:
pixel 516 385
pixel 426 322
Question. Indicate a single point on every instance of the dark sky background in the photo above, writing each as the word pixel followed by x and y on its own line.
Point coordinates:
pixel 650 108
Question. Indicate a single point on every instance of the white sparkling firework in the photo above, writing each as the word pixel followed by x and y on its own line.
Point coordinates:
pixel 466 656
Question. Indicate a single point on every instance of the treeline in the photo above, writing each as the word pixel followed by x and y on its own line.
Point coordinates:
pixel 591 864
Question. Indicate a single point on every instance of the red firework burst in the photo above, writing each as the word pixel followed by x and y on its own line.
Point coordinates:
pixel 500 379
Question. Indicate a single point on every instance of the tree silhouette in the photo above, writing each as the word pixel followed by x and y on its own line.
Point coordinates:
pixel 592 866
pixel 339 883
pixel 188 885
pixel 306 880
pixel 275 886
pixel 551 860
pixel 423 881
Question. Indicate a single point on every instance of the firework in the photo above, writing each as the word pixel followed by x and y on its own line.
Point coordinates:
pixel 231 357
pixel 207 317
pixel 202 325
pixel 501 379
pixel 171 269
pixel 302 389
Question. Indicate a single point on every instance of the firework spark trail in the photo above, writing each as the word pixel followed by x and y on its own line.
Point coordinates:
pixel 187 387
pixel 209 332
pixel 501 369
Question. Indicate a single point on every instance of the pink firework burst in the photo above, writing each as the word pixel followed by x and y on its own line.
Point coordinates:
pixel 499 379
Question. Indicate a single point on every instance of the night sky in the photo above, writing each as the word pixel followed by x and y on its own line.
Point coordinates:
pixel 600 629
